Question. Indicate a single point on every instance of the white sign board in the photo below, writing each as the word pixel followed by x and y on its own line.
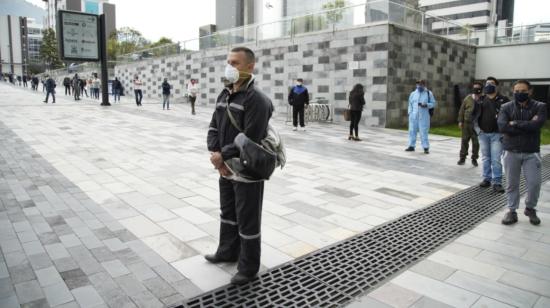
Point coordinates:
pixel 79 36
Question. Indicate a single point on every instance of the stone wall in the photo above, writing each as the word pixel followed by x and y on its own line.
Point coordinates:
pixel 330 64
pixel 386 59
pixel 443 63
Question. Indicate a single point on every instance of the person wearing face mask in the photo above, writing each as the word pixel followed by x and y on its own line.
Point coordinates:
pixel 298 98
pixel 520 122
pixel 466 125
pixel 485 124
pixel 420 101
pixel 240 200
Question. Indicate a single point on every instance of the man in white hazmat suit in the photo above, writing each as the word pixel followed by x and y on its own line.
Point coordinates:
pixel 421 101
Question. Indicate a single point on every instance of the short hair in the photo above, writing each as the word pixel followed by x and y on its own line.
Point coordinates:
pixel 493 79
pixel 300 80
pixel 421 81
pixel 250 57
pixel 479 83
pixel 523 81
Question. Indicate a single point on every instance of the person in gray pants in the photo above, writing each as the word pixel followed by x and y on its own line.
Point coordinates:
pixel 520 122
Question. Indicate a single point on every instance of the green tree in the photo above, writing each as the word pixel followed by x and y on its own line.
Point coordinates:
pixel 164 46
pixel 336 12
pixel 49 51
pixel 124 41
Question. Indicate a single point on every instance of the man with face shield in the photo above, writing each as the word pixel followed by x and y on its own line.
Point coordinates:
pixel 485 124
pixel 520 122
pixel 240 201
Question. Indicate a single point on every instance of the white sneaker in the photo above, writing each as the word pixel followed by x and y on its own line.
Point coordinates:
pixel 295 128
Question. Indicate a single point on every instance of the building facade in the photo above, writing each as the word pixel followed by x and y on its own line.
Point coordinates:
pixel 477 14
pixel 34 39
pixel 13 45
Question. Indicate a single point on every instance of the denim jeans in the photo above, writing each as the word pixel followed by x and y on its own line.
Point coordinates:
pixel 166 101
pixel 491 152
pixel 116 94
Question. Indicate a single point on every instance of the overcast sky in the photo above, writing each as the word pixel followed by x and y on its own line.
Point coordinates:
pixel 180 19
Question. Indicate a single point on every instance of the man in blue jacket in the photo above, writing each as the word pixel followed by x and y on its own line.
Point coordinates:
pixel 50 89
pixel 421 101
pixel 520 122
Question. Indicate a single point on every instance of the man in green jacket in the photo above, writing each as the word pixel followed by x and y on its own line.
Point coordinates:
pixel 466 124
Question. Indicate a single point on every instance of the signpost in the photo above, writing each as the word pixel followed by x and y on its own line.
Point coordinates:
pixel 82 38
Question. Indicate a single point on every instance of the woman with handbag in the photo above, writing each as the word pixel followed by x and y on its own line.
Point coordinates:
pixel 356 103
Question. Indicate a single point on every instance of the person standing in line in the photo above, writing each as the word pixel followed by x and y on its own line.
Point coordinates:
pixel 298 98
pixel 35 82
pixel 19 80
pixel 97 85
pixel 166 94
pixel 240 202
pixel 117 89
pixel 43 82
pixel 466 124
pixel 67 85
pixel 49 84
pixel 89 82
pixel 137 90
pixel 76 87
pixel 82 83
pixel 420 101
pixel 356 103
pixel 25 77
pixel 490 140
pixel 192 92
pixel 520 122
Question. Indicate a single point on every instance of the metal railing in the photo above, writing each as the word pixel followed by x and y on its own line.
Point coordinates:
pixel 359 15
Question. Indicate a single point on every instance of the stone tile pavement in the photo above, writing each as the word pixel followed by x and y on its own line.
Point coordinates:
pixel 104 207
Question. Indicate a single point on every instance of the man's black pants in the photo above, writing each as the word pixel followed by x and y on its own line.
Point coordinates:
pixel 139 95
pixel 241 213
pixel 67 90
pixel 468 134
pixel 298 111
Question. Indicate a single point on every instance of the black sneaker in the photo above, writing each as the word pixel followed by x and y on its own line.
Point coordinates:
pixel 240 279
pixel 426 151
pixel 474 162
pixel 485 184
pixel 461 161
pixel 498 188
pixel 409 149
pixel 532 214
pixel 510 218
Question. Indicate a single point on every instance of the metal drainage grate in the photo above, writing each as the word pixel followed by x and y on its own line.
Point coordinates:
pixel 335 275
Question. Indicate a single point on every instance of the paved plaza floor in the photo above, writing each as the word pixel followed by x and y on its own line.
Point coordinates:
pixel 116 206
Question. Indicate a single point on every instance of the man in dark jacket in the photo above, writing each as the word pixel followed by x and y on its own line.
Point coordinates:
pixel 466 125
pixel 520 122
pixel 49 84
pixel 485 124
pixel 166 94
pixel 67 85
pixel 76 87
pixel 298 98
pixel 240 201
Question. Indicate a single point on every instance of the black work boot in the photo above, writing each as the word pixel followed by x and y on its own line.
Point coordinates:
pixel 485 184
pixel 426 151
pixel 532 214
pixel 214 258
pixel 409 149
pixel 474 162
pixel 240 279
pixel 498 188
pixel 461 161
pixel 510 218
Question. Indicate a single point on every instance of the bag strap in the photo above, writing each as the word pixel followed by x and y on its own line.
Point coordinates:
pixel 232 119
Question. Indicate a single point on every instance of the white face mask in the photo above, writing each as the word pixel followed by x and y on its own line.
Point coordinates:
pixel 231 74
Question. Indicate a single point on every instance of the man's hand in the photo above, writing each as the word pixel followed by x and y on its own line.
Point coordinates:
pixel 216 159
pixel 536 117
pixel 512 123
pixel 460 124
pixel 224 171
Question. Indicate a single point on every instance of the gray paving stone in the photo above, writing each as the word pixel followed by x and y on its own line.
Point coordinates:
pixel 87 296
pixel 168 273
pixel 174 300
pixel 28 291
pixel 146 299
pixel 57 251
pixel 40 303
pixel 75 278
pixel 3 270
pixel 48 238
pixel 159 287
pixel 427 302
pixel 527 283
pixel 103 254
pixel 48 276
pixel 433 269
pixel 367 302
pixel 21 273
pixel 103 282
pixel 115 268
pixel 307 209
pixel 130 284
pixel 127 256
pixel 33 247
pixel 9 302
pixel 543 302
pixel 117 298
pixel 6 288
pixel 142 271
pixel 58 294
pixel 187 288
pixel 39 261
pixel 65 264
